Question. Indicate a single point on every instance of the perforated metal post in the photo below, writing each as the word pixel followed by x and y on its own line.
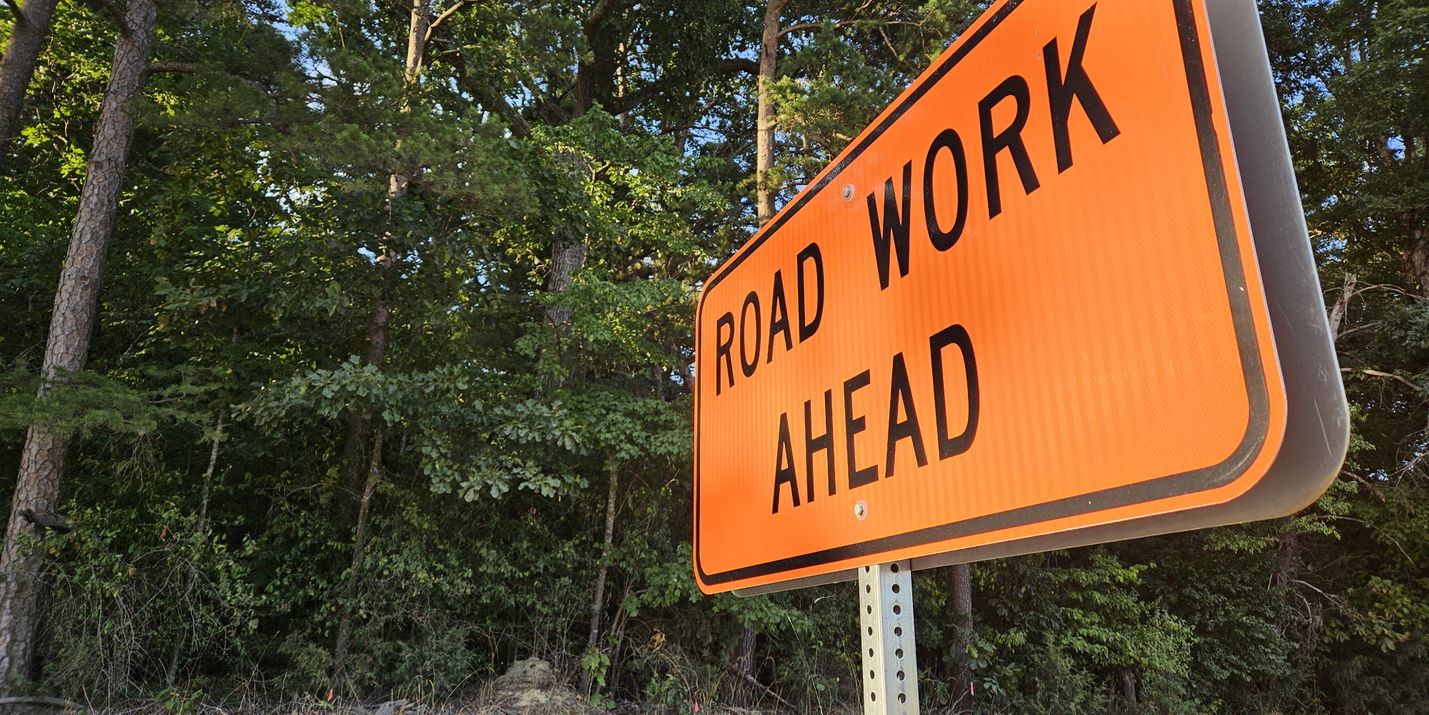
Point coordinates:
pixel 890 667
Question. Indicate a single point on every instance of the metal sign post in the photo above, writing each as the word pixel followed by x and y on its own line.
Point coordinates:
pixel 885 602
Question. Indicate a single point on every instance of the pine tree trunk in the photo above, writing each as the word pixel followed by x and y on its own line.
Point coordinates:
pixel 764 137
pixel 764 210
pixel 962 634
pixel 376 352
pixel 597 602
pixel 27 36
pixel 420 19
pixel 37 488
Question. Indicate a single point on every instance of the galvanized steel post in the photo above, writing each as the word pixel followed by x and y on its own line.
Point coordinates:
pixel 890 666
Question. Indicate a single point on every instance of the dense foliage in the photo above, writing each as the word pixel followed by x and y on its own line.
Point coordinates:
pixel 570 170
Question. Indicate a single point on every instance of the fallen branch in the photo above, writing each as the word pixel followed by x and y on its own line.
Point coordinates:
pixel 42 700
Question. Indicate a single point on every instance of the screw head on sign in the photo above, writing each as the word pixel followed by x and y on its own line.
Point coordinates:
pixel 860 510
pixel 848 192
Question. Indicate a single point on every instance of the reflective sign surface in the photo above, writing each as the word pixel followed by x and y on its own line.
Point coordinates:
pixel 1025 301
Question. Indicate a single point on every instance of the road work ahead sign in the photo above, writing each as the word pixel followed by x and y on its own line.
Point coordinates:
pixel 1059 292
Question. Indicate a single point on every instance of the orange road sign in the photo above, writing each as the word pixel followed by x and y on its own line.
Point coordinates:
pixel 1024 309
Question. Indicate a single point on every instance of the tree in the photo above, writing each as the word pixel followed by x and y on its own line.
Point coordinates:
pixel 764 153
pixel 37 488
pixel 27 36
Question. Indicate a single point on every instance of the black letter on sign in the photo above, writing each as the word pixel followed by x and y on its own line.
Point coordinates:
pixel 943 240
pixel 908 428
pixel 1075 85
pixel 808 325
pixel 954 335
pixel 894 227
pixel 723 342
pixel 746 362
pixel 852 426
pixel 779 317
pixel 823 443
pixel 784 464
pixel 1009 139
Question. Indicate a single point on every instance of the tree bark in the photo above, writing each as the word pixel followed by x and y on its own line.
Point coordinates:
pixel 764 136
pixel 597 602
pixel 37 487
pixel 27 36
pixel 1417 261
pixel 1128 690
pixel 962 634
pixel 595 71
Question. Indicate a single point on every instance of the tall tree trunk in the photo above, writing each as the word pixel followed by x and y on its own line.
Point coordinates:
pixel 597 601
pixel 37 488
pixel 764 137
pixel 764 210
pixel 1128 690
pixel 354 571
pixel 962 634
pixel 27 36
pixel 376 351
pixel 419 21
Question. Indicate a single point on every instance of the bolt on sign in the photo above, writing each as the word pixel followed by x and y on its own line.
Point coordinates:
pixel 1060 292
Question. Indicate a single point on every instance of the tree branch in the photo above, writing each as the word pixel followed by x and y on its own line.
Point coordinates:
pixel 806 26
pixel 1390 376
pixel 20 18
pixel 178 67
pixel 442 18
pixel 629 100
pixel 803 26
pixel 56 522
pixel 67 705
pixel 597 14
pixel 737 64
pixel 113 11
pixel 1372 488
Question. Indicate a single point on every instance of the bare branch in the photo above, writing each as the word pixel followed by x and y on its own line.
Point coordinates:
pixel 1372 488
pixel 1391 376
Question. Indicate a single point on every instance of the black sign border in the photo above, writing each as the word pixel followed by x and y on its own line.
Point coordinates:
pixel 1157 488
